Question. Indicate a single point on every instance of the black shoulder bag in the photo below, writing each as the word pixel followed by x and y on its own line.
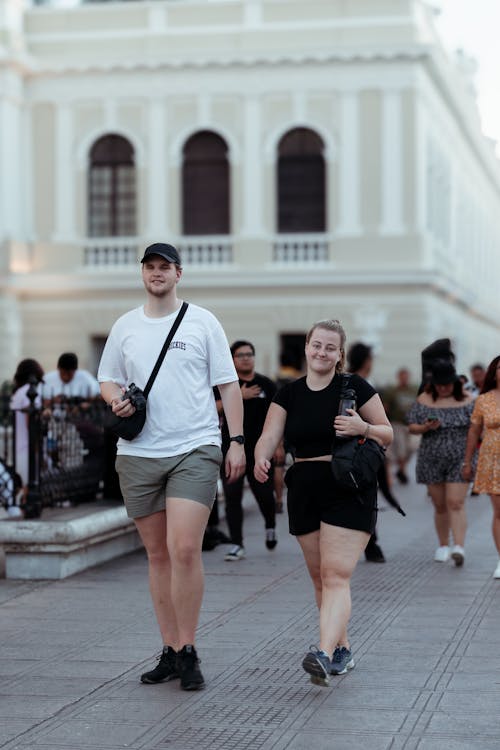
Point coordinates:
pixel 129 427
pixel 355 460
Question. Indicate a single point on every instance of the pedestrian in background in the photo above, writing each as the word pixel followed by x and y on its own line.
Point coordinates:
pixel 168 473
pixel 69 381
pixel 257 391
pixel 397 401
pixel 287 373
pixel 442 417
pixel 331 526
pixel 485 423
pixel 28 371
pixel 360 362
pixel 478 376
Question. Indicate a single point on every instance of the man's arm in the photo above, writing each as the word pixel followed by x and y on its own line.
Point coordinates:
pixel 112 394
pixel 232 404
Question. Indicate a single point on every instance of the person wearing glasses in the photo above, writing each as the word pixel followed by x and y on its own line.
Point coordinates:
pixel 257 392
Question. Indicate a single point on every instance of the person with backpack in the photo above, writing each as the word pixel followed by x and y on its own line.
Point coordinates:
pixel 332 526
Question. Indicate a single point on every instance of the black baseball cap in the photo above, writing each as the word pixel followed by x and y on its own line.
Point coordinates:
pixel 166 251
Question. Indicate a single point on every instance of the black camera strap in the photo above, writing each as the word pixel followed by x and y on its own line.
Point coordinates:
pixel 165 346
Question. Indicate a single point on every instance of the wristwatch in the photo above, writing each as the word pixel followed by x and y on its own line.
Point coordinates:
pixel 237 439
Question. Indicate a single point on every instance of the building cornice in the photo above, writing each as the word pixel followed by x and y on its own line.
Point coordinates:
pixel 39 67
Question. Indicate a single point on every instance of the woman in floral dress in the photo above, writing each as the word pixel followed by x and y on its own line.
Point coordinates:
pixel 442 417
pixel 485 421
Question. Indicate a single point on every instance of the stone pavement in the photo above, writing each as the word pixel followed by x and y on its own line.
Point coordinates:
pixel 425 636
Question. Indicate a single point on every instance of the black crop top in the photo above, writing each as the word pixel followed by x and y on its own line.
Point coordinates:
pixel 310 414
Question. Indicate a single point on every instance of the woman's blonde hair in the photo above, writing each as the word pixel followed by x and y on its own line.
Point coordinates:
pixel 335 326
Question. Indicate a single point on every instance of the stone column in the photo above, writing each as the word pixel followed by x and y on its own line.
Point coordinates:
pixel 252 188
pixel 349 166
pixel 157 173
pixel 392 187
pixel 64 170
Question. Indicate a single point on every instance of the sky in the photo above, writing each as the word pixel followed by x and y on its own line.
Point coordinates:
pixel 474 26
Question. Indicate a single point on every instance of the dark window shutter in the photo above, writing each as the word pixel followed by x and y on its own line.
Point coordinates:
pixel 205 185
pixel 111 188
pixel 301 182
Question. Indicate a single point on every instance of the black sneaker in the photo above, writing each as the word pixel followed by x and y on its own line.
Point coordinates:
pixel 403 478
pixel 373 553
pixel 317 664
pixel 164 671
pixel 271 540
pixel 187 664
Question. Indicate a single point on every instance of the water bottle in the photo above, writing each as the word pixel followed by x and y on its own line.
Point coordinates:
pixel 347 401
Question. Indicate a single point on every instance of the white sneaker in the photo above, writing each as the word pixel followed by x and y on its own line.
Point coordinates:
pixel 496 574
pixel 235 553
pixel 442 554
pixel 13 511
pixel 458 555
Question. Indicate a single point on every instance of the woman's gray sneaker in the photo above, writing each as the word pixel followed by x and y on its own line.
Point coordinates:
pixel 317 665
pixel 342 661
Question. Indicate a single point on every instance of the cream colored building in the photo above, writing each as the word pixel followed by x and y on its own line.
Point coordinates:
pixel 312 159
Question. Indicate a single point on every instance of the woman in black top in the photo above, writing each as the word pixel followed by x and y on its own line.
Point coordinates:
pixel 332 527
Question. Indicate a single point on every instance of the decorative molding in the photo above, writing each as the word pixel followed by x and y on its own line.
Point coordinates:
pixel 408 53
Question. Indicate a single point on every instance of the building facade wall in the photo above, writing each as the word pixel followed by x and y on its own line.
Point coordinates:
pixel 412 192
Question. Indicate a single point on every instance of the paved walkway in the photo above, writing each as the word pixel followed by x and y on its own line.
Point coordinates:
pixel 426 639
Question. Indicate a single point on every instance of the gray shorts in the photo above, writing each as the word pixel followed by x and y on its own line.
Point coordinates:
pixel 147 482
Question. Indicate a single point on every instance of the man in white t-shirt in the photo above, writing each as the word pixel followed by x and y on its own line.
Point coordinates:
pixel 69 381
pixel 168 473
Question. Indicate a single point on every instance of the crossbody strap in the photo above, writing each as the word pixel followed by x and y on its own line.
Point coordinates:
pixel 165 346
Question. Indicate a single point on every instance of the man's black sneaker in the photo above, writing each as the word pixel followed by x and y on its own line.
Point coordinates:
pixel 373 553
pixel 188 667
pixel 342 661
pixel 164 671
pixel 403 478
pixel 271 540
pixel 317 665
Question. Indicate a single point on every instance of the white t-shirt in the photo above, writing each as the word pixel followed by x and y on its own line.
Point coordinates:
pixel 181 413
pixel 82 385
pixel 20 401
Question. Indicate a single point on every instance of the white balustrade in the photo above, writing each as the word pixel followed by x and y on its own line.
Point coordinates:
pixel 206 251
pixel 110 253
pixel 292 249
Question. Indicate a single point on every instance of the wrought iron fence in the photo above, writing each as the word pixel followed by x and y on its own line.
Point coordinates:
pixel 70 457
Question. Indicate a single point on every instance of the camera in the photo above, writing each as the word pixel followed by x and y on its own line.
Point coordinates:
pixel 136 397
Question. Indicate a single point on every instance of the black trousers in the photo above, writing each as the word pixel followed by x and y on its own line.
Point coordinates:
pixel 264 495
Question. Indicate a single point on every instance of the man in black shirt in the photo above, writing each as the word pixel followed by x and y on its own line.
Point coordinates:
pixel 257 392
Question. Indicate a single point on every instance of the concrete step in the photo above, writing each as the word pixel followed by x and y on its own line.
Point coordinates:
pixel 66 541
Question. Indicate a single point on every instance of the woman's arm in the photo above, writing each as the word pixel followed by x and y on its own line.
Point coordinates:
pixel 272 434
pixel 371 421
pixel 472 439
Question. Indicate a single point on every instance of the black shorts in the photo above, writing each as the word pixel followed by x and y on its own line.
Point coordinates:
pixel 312 497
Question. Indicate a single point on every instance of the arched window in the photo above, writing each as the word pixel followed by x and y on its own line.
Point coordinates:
pixel 111 188
pixel 205 185
pixel 301 182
